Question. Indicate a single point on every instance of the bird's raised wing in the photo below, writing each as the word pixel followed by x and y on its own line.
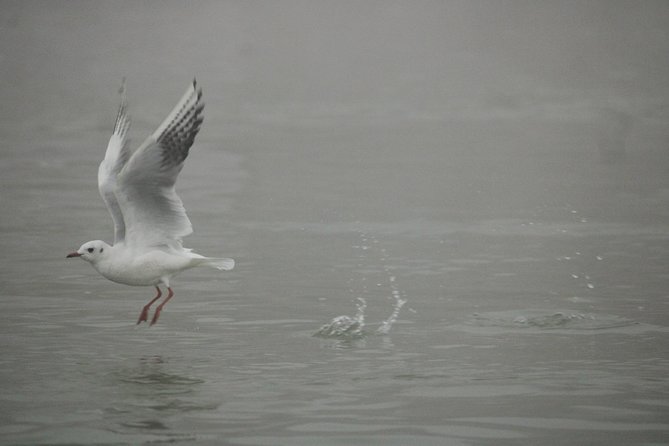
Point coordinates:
pixel 118 153
pixel 153 213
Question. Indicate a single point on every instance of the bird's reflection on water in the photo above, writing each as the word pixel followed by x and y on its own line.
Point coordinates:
pixel 154 371
pixel 152 393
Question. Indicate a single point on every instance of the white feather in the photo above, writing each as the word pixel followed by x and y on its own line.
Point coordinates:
pixel 145 207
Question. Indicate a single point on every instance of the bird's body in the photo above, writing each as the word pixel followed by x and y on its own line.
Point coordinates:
pixel 148 267
pixel 149 217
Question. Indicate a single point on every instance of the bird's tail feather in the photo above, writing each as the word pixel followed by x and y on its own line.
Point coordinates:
pixel 219 263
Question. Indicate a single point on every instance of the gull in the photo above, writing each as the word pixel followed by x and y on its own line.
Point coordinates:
pixel 149 217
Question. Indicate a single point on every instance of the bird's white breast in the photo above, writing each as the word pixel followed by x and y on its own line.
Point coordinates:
pixel 150 268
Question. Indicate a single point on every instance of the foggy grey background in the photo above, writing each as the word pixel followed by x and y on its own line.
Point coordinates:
pixel 503 166
pixel 544 62
pixel 501 80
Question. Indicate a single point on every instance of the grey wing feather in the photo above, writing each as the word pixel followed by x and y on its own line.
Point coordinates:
pixel 116 156
pixel 154 214
pixel 177 133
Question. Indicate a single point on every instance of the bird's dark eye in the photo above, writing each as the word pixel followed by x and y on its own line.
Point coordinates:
pixel 101 249
pixel 90 249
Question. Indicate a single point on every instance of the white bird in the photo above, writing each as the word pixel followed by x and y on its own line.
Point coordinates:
pixel 149 217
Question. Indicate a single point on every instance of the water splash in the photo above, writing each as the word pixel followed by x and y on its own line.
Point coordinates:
pixel 347 327
pixel 398 295
pixel 555 320
pixel 386 325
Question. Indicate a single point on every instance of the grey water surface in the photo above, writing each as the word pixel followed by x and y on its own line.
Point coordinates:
pixel 450 221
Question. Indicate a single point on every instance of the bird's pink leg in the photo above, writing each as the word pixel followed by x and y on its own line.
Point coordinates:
pixel 144 315
pixel 159 308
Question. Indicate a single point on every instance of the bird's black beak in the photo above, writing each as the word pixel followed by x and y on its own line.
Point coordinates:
pixel 72 254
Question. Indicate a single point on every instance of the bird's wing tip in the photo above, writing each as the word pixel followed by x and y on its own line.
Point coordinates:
pixel 197 88
pixel 121 89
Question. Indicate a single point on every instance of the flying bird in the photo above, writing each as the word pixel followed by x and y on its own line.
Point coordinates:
pixel 149 217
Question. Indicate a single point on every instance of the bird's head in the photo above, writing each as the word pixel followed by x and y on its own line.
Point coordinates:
pixel 91 251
